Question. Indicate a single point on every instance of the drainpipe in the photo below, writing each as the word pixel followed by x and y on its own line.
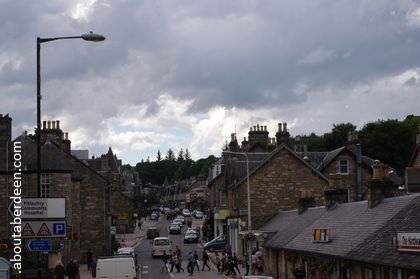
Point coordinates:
pixel 359 188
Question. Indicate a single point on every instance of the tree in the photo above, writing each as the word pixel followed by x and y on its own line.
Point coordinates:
pixel 187 155
pixel 338 135
pixel 170 155
pixel 180 156
pixel 159 156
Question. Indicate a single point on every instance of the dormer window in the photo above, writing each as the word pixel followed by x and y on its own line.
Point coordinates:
pixel 343 167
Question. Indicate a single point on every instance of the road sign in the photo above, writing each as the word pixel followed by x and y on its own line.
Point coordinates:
pixel 44 229
pixel 41 208
pixel 39 245
pixel 11 208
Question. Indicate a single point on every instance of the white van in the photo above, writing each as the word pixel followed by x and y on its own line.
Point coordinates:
pixel 118 267
pixel 160 244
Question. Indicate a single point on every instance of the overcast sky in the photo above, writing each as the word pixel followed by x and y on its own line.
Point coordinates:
pixel 187 74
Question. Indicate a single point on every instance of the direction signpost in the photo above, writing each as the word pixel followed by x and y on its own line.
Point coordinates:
pixel 39 245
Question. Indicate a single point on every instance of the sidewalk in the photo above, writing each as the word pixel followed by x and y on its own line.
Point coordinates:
pixel 130 239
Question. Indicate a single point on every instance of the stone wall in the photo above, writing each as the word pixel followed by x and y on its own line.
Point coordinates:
pixel 277 185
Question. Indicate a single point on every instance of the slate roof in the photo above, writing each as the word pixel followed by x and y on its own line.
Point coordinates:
pixel 378 247
pixel 350 225
pixel 289 224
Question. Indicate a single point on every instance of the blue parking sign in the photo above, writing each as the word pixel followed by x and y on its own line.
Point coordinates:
pixel 59 228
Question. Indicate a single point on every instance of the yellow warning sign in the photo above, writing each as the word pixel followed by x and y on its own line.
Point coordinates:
pixel 44 230
pixel 27 230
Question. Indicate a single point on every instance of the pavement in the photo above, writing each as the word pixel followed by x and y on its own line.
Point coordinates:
pixel 133 239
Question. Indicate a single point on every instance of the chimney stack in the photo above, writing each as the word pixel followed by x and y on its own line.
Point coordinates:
pixel 306 200
pixel 258 136
pixel 5 140
pixel 336 192
pixel 380 186
pixel 282 136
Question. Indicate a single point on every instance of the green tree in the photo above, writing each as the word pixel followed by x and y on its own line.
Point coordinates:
pixel 338 135
pixel 159 156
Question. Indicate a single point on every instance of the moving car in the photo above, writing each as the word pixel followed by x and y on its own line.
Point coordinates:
pixel 198 215
pixel 152 232
pixel 159 245
pixel 174 229
pixel 177 222
pixel 154 216
pixel 191 237
pixel 217 244
pixel 186 213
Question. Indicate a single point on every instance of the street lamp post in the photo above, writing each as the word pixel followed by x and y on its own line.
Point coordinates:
pixel 87 37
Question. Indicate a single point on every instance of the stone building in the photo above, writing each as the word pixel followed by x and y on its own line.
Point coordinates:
pixel 362 239
pixel 62 176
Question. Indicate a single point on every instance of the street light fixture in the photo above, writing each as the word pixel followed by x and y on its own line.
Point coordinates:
pixel 87 37
pixel 248 197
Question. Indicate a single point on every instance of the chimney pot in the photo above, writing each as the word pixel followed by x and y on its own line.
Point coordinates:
pixel 258 127
pixel 49 124
pixel 255 128
pixel 284 127
pixel 44 124
pixel 58 124
pixel 280 129
pixel 53 125
pixel 377 173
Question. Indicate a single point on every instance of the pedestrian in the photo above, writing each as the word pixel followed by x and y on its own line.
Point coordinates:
pixel 260 265
pixel 164 263
pixel 246 259
pixel 71 269
pixel 173 260
pixel 254 262
pixel 122 244
pixel 195 255
pixel 76 270
pixel 59 271
pixel 179 264
pixel 223 263
pixel 89 256
pixel 190 267
pixel 229 265
pixel 93 268
pixel 235 263
pixel 218 261
pixel 140 223
pixel 205 260
pixel 178 251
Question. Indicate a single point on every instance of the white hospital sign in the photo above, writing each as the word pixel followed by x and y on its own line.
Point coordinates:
pixel 39 208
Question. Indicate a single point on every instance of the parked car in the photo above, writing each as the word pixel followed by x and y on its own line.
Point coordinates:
pixel 174 229
pixel 217 244
pixel 191 237
pixel 186 213
pixel 152 232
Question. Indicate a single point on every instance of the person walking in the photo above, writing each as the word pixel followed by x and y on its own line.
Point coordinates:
pixel 190 267
pixel 164 263
pixel 178 263
pixel 218 261
pixel 59 271
pixel 195 255
pixel 235 263
pixel 89 256
pixel 205 260
pixel 93 268
pixel 71 270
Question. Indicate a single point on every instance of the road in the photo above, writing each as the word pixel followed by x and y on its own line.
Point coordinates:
pixel 151 267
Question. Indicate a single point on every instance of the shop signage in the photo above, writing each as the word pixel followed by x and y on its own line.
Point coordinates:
pixel 408 241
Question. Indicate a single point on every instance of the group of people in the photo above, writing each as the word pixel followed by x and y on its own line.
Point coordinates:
pixel 175 260
pixel 71 270
pixel 228 263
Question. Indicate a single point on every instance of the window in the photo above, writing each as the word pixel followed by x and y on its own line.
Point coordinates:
pixel 45 185
pixel 222 200
pixel 343 166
